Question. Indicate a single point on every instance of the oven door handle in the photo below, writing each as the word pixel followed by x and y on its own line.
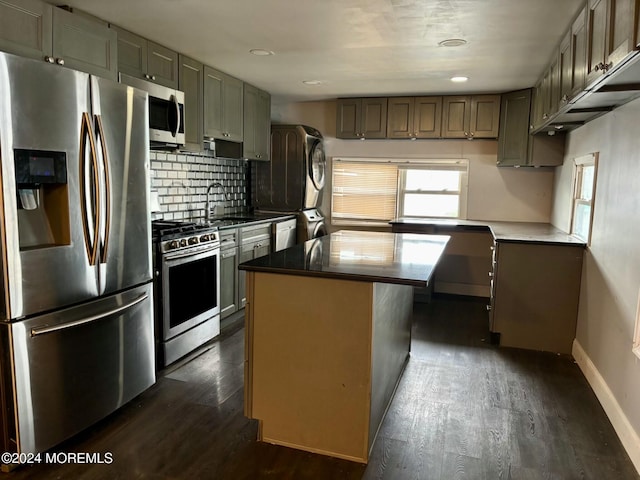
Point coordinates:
pixel 177 256
pixel 55 328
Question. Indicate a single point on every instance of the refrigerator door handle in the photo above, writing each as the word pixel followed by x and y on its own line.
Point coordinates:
pixel 106 227
pixel 89 190
pixel 63 326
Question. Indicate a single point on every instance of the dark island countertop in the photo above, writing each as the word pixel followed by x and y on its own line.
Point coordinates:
pixel 521 232
pixel 400 258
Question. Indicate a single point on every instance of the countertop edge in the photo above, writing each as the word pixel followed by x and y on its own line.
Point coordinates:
pixel 335 275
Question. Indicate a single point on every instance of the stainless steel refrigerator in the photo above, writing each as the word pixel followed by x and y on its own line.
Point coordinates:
pixel 76 310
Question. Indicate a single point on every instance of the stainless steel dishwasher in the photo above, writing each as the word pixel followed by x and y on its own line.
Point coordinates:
pixel 284 234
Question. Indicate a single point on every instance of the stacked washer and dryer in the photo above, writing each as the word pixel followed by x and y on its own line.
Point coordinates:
pixel 293 180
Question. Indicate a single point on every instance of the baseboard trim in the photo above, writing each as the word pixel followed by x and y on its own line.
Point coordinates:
pixel 467 289
pixel 628 436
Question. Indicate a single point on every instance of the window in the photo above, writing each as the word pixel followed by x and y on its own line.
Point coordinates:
pixel 374 191
pixel 584 187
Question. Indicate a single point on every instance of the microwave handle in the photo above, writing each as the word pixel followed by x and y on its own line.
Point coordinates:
pixel 178 119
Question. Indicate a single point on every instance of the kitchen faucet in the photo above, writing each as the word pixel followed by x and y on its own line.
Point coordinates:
pixel 209 188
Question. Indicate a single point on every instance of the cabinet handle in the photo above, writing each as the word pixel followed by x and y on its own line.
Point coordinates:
pixel 153 77
pixel 545 116
pixel 531 127
pixel 466 134
pixel 490 274
pixel 60 61
pixel 564 99
pixel 49 59
pixel 258 156
pixel 608 66
pixel 488 308
pixel 492 248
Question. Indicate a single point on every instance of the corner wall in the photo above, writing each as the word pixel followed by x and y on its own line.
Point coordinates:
pixel 611 270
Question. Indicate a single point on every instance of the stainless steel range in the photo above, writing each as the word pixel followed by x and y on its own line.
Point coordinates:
pixel 186 287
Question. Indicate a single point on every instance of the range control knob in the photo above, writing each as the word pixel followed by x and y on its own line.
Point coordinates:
pixel 205 238
pixel 183 242
pixel 172 244
pixel 193 240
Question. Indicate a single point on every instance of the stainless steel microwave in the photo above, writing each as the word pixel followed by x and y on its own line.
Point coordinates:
pixel 166 112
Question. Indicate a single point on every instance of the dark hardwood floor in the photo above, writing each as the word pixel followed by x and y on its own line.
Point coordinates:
pixel 463 409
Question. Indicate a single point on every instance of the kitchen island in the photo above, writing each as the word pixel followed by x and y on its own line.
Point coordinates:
pixel 328 334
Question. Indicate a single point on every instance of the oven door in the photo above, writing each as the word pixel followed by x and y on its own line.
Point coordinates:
pixel 190 289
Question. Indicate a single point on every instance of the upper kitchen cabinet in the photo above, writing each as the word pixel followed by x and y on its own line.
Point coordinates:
pixel 142 58
pixel 578 55
pixel 361 118
pixel 612 35
pixel 474 116
pixel 190 81
pixel 35 29
pixel 516 147
pixel 26 28
pixel 414 117
pixel 223 106
pixel 257 123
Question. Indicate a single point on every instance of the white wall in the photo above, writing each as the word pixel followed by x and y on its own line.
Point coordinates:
pixel 611 271
pixel 494 193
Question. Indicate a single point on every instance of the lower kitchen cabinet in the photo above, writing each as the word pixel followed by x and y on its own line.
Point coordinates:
pixel 228 272
pixel 255 242
pixel 534 295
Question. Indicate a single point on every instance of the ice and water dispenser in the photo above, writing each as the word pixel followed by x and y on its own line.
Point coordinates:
pixel 42 198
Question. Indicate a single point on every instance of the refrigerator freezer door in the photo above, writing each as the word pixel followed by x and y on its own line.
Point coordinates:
pixel 41 108
pixel 122 141
pixel 73 367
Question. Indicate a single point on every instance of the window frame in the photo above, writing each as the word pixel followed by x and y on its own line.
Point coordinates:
pixel 462 192
pixel 578 165
pixel 459 164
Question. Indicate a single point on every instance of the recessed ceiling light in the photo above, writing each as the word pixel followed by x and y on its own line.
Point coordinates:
pixel 459 79
pixel 261 52
pixel 312 82
pixel 452 42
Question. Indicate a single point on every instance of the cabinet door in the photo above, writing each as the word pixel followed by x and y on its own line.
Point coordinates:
pixel 263 127
pixel 596 39
pixel 190 82
pixel 456 113
pixel 83 44
pixel 538 105
pixel 228 282
pixel 25 28
pixel 257 123
pixel 373 120
pixel 213 85
pixel 565 69
pixel 246 254
pixel 514 128
pixel 400 115
pixel 232 109
pixel 553 97
pixel 579 54
pixel 622 22
pixel 262 249
pixel 484 116
pixel 427 117
pixel 348 111
pixel 132 53
pixel 162 65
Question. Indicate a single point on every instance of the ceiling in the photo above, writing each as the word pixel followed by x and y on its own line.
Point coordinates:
pixel 355 47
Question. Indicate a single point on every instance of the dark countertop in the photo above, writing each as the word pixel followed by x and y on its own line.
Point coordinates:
pixel 243 219
pixel 521 232
pixel 401 258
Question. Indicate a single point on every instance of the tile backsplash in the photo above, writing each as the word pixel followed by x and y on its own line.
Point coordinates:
pixel 181 180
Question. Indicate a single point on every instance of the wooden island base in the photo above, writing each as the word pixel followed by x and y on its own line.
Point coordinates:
pixel 323 357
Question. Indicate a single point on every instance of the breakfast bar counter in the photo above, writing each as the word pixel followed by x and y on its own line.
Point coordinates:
pixel 328 334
